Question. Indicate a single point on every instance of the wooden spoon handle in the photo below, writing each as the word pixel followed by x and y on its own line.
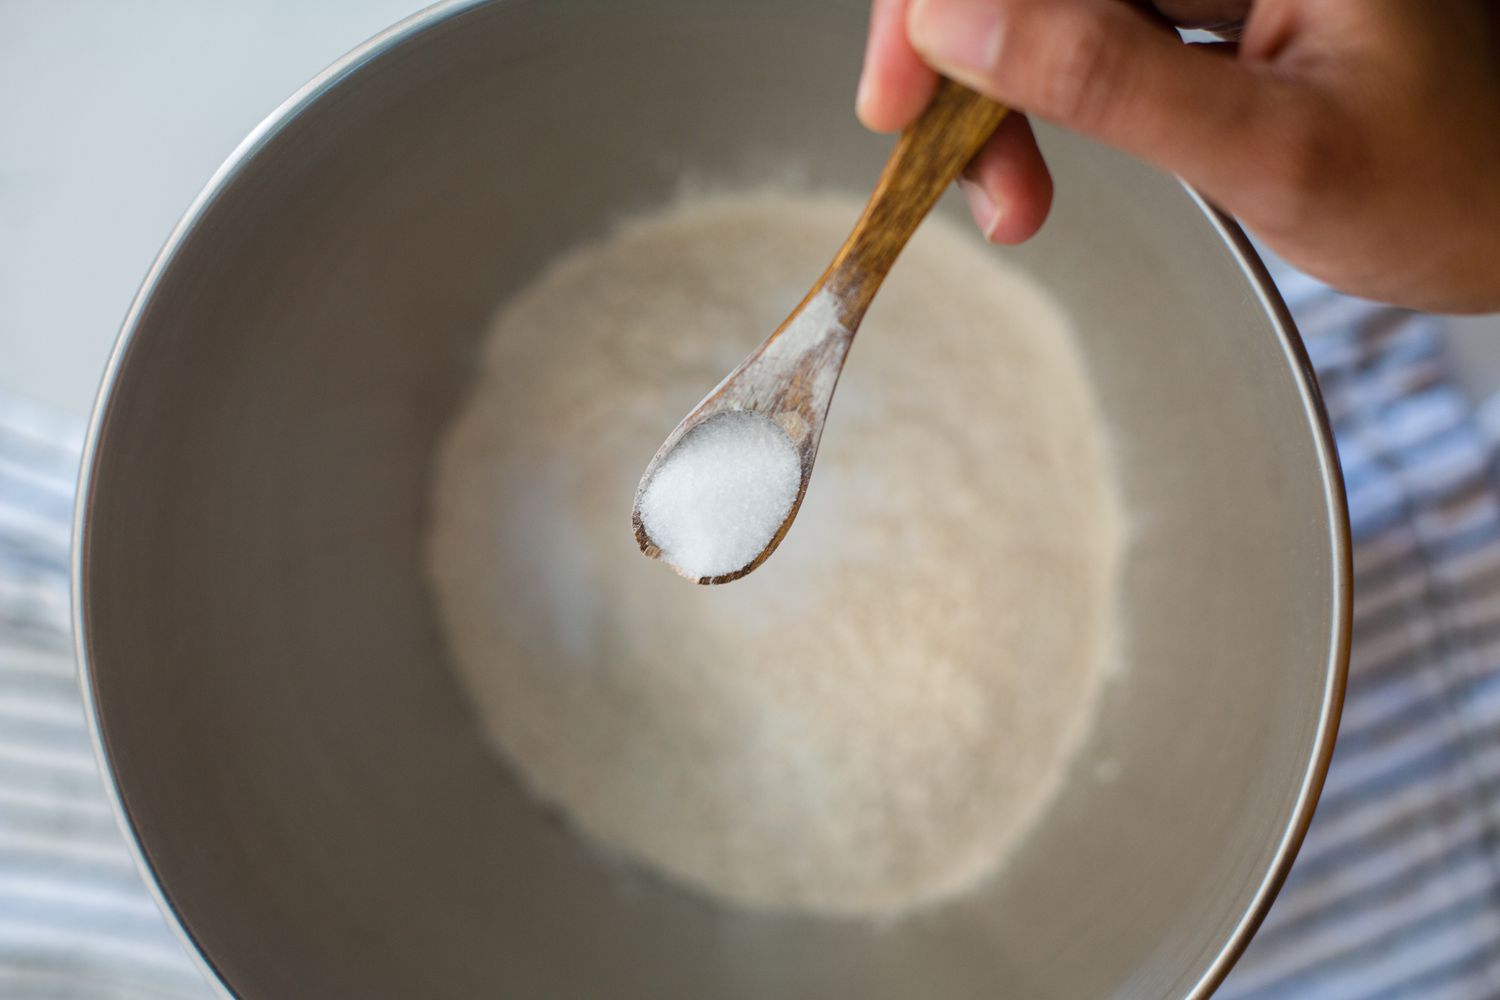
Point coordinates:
pixel 927 158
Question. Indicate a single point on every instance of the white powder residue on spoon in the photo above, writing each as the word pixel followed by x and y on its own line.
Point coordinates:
pixel 719 497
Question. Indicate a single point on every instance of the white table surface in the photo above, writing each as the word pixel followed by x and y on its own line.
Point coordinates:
pixel 114 113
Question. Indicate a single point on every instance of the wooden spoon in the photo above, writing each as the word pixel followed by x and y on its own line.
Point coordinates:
pixel 791 376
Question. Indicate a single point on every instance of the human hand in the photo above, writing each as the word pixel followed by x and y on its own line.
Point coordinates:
pixel 1359 139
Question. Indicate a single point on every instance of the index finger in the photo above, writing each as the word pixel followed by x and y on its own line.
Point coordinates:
pixel 896 84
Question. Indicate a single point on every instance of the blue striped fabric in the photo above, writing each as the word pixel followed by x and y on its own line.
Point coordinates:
pixel 1396 893
pixel 75 921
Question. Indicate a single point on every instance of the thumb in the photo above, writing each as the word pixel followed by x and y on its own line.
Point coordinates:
pixel 1101 68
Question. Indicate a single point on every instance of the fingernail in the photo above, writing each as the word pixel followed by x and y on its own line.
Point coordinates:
pixel 880 17
pixel 862 95
pixel 986 213
pixel 956 34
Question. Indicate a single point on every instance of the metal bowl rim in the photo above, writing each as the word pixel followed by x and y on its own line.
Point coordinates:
pixel 399 34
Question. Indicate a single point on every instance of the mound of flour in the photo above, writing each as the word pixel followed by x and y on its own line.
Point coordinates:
pixel 870 721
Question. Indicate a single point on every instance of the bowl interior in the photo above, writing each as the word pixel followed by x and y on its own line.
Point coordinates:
pixel 306 782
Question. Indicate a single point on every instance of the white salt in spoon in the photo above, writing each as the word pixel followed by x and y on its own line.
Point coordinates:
pixel 722 490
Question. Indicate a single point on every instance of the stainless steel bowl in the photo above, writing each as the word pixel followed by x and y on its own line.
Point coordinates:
pixel 303 782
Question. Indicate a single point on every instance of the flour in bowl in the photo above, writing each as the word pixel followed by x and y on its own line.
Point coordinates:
pixel 870 722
